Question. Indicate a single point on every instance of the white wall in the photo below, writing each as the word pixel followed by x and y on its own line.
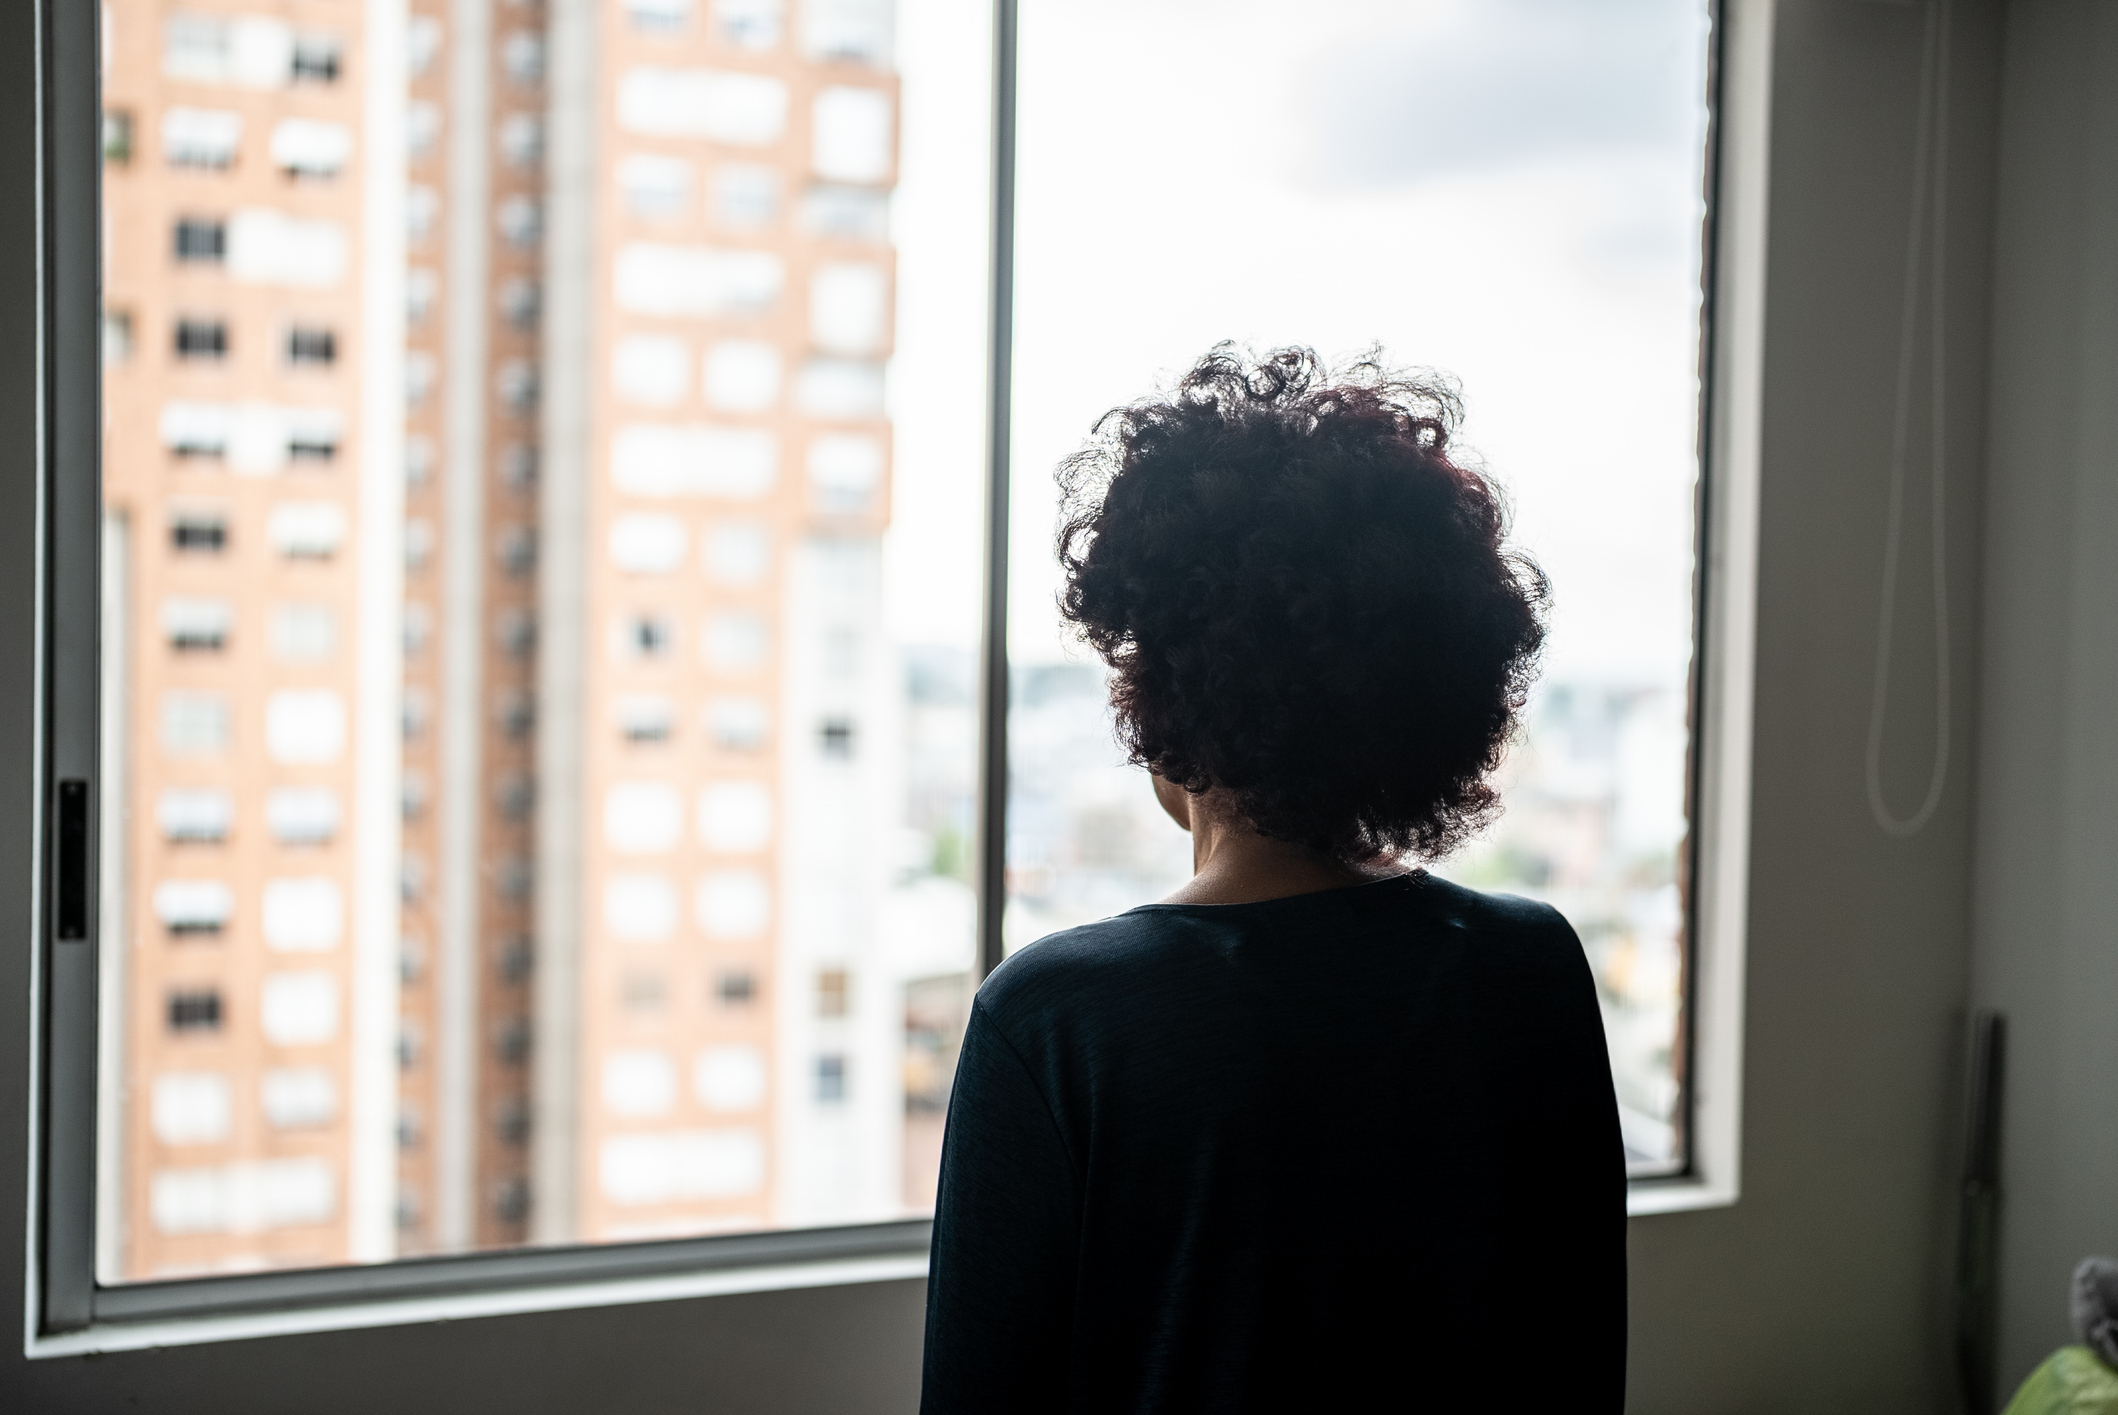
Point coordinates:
pixel 2046 916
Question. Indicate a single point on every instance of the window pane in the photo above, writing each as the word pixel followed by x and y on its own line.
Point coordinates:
pixel 492 874
pixel 1507 191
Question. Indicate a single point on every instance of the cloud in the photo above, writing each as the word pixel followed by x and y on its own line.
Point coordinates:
pixel 1504 82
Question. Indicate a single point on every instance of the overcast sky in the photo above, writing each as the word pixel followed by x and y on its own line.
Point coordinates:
pixel 1502 190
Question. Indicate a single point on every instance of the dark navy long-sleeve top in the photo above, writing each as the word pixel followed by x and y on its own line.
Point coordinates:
pixel 1348 1150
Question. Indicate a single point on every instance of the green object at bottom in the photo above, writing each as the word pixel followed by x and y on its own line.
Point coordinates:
pixel 2072 1381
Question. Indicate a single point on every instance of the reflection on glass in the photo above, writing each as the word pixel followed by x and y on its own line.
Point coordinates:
pixel 1505 190
pixel 480 874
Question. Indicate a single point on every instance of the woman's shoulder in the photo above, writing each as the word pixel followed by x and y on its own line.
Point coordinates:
pixel 1107 954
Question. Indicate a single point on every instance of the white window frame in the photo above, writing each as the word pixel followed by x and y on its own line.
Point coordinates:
pixel 66 1314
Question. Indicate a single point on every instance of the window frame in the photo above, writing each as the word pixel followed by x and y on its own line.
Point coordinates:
pixel 69 1313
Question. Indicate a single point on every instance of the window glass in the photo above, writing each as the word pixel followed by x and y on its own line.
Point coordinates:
pixel 487 878
pixel 1508 191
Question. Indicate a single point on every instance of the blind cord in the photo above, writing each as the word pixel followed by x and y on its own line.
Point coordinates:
pixel 1931 148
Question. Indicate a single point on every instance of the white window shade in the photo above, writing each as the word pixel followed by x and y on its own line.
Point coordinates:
pixel 252 51
pixel 195 815
pixel 638 1083
pixel 852 139
pixel 191 1108
pixel 309 147
pixel 737 723
pixel 658 16
pixel 738 553
pixel 302 815
pixel 305 915
pixel 298 1097
pixel 307 633
pixel 651 369
pixel 691 460
pixel 422 41
pixel 249 1196
pixel 197 623
pixel 645 543
pixel 737 643
pixel 729 1079
pixel 694 1164
pixel 847 30
pixel 268 247
pixel 640 908
pixel 194 906
pixel 845 469
pixel 299 1009
pixel 309 530
pixel 846 213
pixel 746 195
pixel 655 187
pixel 742 376
pixel 840 390
pixel 733 905
pixel 194 723
pixel 740 109
pixel 522 140
pixel 644 718
pixel 305 725
pixel 748 24
pixel 735 817
pixel 848 307
pixel 200 137
pixel 669 281
pixel 642 817
pixel 422 128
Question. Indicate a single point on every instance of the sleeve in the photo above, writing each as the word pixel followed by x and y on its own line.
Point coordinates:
pixel 1000 1282
pixel 1576 1225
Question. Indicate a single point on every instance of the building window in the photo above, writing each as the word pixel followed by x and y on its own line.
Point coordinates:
pixel 748 24
pixel 834 738
pixel 188 817
pixel 833 993
pixel 737 988
pixel 201 239
pixel 117 337
pixel 201 137
pixel 195 1010
pixel 197 625
pixel 312 344
pixel 117 136
pixel 315 59
pixel 830 1079
pixel 201 339
pixel 197 532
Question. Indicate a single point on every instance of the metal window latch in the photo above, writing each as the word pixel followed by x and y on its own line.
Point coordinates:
pixel 73 861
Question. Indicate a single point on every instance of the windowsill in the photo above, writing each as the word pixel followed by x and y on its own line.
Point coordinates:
pixel 191 1331
pixel 1675 1196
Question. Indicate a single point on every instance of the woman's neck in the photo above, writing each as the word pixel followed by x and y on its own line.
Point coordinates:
pixel 1233 864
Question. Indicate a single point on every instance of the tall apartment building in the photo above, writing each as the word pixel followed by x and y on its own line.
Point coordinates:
pixel 254 289
pixel 718 1047
pixel 493 614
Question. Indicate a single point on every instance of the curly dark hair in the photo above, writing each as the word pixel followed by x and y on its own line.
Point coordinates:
pixel 1304 600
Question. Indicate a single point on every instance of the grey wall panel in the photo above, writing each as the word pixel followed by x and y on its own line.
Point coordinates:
pixel 2047 875
pixel 1822 1289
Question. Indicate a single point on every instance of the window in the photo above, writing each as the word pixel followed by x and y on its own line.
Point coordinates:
pixel 199 137
pixel 201 239
pixel 767 300
pixel 201 339
pixel 1596 792
pixel 309 344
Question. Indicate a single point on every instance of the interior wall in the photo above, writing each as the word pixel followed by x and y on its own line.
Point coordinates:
pixel 1823 1288
pixel 2046 916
